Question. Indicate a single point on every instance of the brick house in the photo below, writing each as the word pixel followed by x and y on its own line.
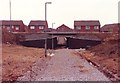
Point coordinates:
pixel 12 25
pixel 87 26
pixel 64 28
pixel 37 26
pixel 111 28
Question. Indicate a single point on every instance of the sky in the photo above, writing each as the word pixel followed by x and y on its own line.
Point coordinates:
pixel 61 11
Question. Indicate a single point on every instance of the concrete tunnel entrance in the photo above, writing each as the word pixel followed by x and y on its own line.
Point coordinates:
pixel 62 42
pixel 40 43
pixel 76 43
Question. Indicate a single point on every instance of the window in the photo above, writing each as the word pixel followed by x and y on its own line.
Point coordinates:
pixel 87 27
pixel 12 27
pixel 8 28
pixel 32 27
pixel 17 28
pixel 41 27
pixel 96 27
pixel 3 27
pixel 78 27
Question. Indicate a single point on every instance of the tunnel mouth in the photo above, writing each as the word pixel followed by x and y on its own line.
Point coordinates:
pixel 77 43
pixel 41 43
pixel 70 43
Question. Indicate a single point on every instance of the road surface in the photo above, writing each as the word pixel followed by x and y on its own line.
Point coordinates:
pixel 65 65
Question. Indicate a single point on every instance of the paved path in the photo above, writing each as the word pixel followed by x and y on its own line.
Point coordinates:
pixel 64 66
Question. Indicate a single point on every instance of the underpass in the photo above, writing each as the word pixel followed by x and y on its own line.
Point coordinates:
pixel 64 65
pixel 57 40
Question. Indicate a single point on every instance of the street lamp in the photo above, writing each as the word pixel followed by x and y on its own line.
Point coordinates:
pixel 52 36
pixel 10 8
pixel 10 15
pixel 46 9
pixel 45 30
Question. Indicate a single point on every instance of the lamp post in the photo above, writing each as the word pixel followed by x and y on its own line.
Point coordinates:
pixel 52 36
pixel 10 8
pixel 118 31
pixel 45 30
pixel 46 9
pixel 10 15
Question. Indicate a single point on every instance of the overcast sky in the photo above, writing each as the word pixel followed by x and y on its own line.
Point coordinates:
pixel 61 11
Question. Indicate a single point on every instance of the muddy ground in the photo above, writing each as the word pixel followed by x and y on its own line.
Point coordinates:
pixel 16 60
pixel 106 57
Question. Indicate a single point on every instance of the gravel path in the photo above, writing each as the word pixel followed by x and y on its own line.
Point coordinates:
pixel 63 66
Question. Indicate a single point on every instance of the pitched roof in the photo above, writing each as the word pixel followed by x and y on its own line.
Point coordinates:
pixel 38 22
pixel 11 22
pixel 63 27
pixel 86 22
pixel 115 26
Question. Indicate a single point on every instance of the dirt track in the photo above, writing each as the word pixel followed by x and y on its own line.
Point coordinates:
pixel 65 65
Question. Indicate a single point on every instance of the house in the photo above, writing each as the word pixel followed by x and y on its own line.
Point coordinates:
pixel 37 26
pixel 87 26
pixel 111 27
pixel 64 28
pixel 12 25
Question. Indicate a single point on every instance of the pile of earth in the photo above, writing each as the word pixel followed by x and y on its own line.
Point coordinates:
pixel 8 37
pixel 108 48
pixel 106 54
